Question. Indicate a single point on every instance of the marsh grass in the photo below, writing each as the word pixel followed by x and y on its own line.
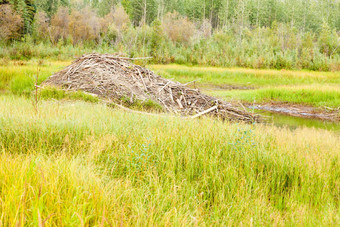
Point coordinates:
pixel 255 78
pixel 84 163
pixel 19 77
pixel 317 89
pixel 317 96
pixel 49 92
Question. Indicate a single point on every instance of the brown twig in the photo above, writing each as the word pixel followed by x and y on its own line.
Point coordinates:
pixel 36 88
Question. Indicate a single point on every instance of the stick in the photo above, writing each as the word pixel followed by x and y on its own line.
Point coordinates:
pixel 172 98
pixel 191 82
pixel 179 103
pixel 204 112
pixel 164 87
pixel 242 106
pixel 141 77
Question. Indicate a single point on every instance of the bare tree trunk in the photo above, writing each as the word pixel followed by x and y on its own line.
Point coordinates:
pixel 227 15
pixel 211 12
pixel 242 20
pixel 204 10
pixel 258 13
pixel 144 12
pixel 159 11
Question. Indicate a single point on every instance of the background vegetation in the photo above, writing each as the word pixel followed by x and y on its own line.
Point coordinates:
pixel 249 33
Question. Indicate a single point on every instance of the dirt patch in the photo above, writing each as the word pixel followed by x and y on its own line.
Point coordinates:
pixel 232 87
pixel 220 87
pixel 115 78
pixel 327 114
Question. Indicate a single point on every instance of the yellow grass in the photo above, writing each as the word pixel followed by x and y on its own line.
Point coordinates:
pixel 77 163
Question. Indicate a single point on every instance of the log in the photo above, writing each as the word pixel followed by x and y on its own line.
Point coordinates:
pixel 204 112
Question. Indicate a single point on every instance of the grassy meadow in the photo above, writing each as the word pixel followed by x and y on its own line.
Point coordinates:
pixel 77 162
pixel 318 89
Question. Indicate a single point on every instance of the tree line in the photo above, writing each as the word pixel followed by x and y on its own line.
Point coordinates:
pixel 252 33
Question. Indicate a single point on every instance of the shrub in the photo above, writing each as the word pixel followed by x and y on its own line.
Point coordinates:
pixel 205 29
pixel 60 25
pixel 84 26
pixel 178 28
pixel 328 40
pixel 120 18
pixel 11 24
pixel 42 25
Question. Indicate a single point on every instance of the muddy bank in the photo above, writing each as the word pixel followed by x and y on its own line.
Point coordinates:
pixel 326 114
pixel 217 87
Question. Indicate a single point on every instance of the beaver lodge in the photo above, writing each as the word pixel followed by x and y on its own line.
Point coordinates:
pixel 114 78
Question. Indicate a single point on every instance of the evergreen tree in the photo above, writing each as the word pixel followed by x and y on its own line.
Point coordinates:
pixel 141 11
pixel 50 7
pixel 26 9
pixel 104 6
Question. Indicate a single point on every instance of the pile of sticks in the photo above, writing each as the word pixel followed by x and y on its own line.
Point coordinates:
pixel 113 78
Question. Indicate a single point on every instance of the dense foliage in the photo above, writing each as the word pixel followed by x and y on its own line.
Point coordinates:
pixel 248 33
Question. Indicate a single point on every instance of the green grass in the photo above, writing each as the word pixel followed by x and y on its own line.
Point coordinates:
pixel 59 94
pixel 79 163
pixel 317 89
pixel 212 76
pixel 19 76
pixel 306 95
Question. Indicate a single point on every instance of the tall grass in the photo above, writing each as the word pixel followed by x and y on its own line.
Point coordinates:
pixel 19 76
pixel 315 95
pixel 299 87
pixel 78 163
pixel 245 77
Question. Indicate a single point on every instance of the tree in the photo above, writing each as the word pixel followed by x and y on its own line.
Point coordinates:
pixel 120 17
pixel 3 2
pixel 11 23
pixel 84 25
pixel 59 25
pixel 26 9
pixel 104 6
pixel 50 7
pixel 141 12
pixel 328 40
pixel 42 25
pixel 178 28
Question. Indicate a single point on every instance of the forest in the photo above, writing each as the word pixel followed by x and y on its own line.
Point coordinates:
pixel 277 34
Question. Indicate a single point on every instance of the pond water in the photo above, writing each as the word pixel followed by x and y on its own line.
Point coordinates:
pixel 282 120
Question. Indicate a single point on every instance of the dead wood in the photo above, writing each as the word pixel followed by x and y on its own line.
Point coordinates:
pixel 113 78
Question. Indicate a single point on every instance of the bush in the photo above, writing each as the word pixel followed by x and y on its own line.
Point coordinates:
pixel 178 28
pixel 60 25
pixel 42 26
pixel 11 23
